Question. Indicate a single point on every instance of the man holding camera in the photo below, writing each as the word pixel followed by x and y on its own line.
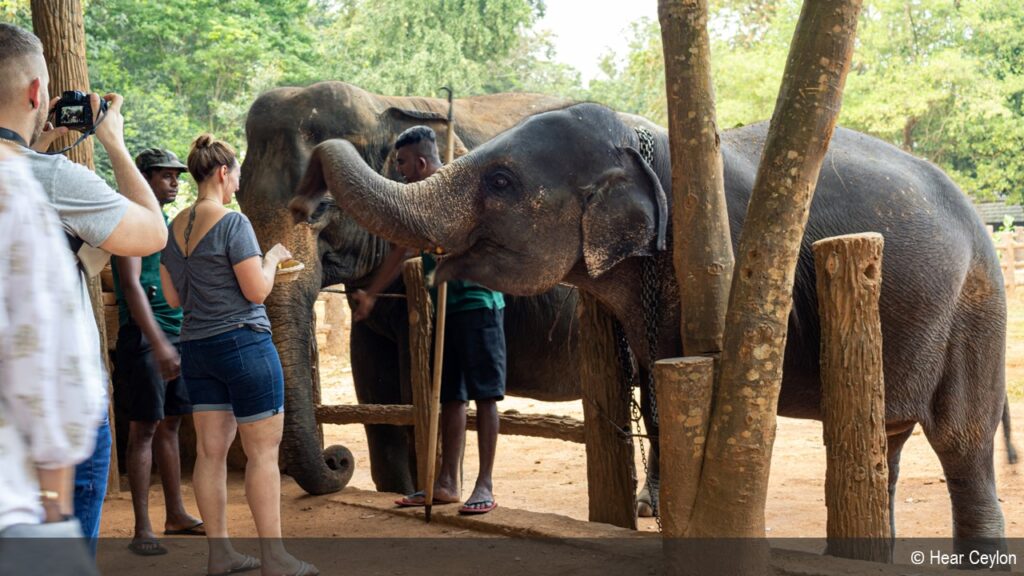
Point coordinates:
pixel 94 216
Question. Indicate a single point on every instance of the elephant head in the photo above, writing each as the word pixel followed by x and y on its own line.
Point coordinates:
pixel 565 195
pixel 283 127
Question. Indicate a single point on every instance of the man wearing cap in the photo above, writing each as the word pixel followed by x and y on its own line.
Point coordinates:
pixel 147 379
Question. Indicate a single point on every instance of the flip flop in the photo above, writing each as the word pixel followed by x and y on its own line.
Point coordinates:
pixel 478 507
pixel 305 569
pixel 249 563
pixel 195 530
pixel 417 499
pixel 147 547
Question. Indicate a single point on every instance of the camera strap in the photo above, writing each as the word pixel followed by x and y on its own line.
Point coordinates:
pixel 12 136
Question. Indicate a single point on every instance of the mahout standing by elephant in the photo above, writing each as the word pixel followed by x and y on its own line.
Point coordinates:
pixel 147 373
pixel 566 196
pixel 474 350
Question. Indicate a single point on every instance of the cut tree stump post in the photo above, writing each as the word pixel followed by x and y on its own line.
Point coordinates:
pixel 849 276
pixel 421 331
pixel 611 472
pixel 684 388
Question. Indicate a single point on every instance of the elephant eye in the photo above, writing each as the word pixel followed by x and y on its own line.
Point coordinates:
pixel 499 180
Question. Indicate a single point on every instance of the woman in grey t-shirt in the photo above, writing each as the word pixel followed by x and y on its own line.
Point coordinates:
pixel 212 266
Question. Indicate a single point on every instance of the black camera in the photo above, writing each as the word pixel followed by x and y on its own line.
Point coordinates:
pixel 74 111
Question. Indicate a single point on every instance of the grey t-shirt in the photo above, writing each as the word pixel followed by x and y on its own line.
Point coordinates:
pixel 88 208
pixel 207 287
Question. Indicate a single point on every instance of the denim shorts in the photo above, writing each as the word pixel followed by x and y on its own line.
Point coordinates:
pixel 237 371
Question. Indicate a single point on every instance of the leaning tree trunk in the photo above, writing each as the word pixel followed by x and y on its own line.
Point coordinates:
pixel 60 26
pixel 700 223
pixel 734 481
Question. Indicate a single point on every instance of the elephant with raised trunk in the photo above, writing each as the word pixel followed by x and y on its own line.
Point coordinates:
pixel 283 127
pixel 565 196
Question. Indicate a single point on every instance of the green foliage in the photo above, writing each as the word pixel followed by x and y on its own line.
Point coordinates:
pixel 944 80
pixel 192 66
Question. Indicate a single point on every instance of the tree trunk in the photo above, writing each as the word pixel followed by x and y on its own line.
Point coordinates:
pixel 849 275
pixel 60 26
pixel 611 472
pixel 734 481
pixel 700 224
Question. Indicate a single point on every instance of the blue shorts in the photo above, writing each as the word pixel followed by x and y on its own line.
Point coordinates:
pixel 237 371
pixel 474 356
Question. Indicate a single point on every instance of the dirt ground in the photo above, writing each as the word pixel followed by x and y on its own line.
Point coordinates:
pixel 550 476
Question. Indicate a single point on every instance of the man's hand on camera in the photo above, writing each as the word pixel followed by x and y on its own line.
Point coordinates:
pixel 109 125
pixel 49 133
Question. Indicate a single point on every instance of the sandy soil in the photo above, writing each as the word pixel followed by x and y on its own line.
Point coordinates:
pixel 550 476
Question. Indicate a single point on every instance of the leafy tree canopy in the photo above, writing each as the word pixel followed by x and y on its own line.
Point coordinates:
pixel 941 78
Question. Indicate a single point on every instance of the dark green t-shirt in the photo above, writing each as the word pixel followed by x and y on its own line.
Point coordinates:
pixel 464 295
pixel 168 318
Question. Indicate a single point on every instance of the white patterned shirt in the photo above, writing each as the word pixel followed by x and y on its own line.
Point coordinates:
pixel 52 394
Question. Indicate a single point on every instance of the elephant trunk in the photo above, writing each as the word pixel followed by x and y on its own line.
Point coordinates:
pixel 430 215
pixel 290 308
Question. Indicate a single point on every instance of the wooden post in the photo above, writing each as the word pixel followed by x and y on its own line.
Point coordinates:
pixel 60 26
pixel 700 223
pixel 737 458
pixel 611 472
pixel 849 274
pixel 421 329
pixel 684 406
pixel 1009 262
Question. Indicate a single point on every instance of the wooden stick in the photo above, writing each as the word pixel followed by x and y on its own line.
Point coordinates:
pixel 442 307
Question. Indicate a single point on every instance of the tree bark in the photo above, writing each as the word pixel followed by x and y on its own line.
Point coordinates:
pixel 60 26
pixel 611 472
pixel 421 330
pixel 684 396
pixel 849 276
pixel 734 480
pixel 700 223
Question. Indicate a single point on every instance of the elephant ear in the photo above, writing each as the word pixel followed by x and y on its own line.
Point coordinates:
pixel 625 212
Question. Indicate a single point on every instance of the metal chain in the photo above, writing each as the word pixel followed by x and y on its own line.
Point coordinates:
pixel 629 365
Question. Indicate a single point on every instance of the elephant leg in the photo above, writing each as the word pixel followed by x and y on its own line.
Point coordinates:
pixel 647 498
pixel 894 450
pixel 375 373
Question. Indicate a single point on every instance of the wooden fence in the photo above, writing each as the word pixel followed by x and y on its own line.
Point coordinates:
pixel 610 469
pixel 1010 246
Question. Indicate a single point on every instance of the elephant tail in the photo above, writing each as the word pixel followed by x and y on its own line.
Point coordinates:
pixel 1011 451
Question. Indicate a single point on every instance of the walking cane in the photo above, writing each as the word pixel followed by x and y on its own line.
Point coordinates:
pixel 442 306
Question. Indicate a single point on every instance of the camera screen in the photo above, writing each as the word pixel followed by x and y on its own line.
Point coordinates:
pixel 72 114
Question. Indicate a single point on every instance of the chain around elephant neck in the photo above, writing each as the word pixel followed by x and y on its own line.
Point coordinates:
pixel 630 364
pixel 646 144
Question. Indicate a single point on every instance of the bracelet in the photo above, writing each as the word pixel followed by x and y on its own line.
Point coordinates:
pixel 49 496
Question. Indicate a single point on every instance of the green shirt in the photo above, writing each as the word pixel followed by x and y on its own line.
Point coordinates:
pixel 168 318
pixel 464 295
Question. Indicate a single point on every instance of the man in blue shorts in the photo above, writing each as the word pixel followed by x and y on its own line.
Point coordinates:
pixel 474 349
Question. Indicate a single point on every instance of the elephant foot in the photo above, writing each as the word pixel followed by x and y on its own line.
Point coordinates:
pixel 339 459
pixel 646 503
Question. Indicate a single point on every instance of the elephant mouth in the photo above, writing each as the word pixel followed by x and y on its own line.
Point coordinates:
pixel 482 261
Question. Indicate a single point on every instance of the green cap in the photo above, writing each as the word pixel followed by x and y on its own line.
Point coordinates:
pixel 158 158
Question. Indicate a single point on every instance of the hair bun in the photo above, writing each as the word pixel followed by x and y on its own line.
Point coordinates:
pixel 203 141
